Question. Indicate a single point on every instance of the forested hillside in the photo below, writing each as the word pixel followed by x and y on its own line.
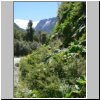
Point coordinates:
pixel 23 46
pixel 56 67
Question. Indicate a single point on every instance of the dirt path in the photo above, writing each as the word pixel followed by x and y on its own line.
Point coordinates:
pixel 16 68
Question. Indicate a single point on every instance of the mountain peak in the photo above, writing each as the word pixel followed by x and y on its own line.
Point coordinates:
pixel 46 25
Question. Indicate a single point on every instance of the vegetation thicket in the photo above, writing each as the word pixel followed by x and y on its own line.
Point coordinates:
pixel 55 65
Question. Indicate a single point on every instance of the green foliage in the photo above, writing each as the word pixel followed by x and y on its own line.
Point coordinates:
pixel 30 31
pixel 24 42
pixel 43 37
pixel 54 44
pixel 22 48
pixel 78 90
pixel 53 71
pixel 22 92
pixel 36 38
pixel 77 48
pixel 19 34
pixel 47 74
pixel 71 21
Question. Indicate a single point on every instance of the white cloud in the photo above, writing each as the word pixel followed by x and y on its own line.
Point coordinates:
pixel 23 23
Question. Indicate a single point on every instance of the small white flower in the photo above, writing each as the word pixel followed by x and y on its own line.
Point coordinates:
pixel 34 95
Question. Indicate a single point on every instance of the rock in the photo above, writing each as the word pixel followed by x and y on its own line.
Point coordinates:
pixel 57 50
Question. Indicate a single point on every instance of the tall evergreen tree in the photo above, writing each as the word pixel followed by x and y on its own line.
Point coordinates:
pixel 30 31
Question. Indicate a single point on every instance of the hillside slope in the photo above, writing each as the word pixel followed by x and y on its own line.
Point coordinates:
pixel 46 25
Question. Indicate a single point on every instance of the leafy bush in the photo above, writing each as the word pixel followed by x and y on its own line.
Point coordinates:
pixel 71 22
pixel 22 48
pixel 19 34
pixel 50 74
pixel 25 42
pixel 78 90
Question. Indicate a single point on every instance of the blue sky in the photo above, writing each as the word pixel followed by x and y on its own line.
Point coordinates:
pixel 35 10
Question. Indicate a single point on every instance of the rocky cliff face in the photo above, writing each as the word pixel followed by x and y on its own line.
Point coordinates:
pixel 46 25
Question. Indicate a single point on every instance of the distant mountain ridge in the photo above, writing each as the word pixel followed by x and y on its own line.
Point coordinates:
pixel 46 25
pixel 23 23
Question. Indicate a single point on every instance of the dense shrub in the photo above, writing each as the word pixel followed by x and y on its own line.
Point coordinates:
pixel 47 74
pixel 71 22
pixel 22 48
pixel 25 41
pixel 78 90
pixel 19 34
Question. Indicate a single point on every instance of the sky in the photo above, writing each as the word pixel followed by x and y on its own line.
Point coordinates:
pixel 35 10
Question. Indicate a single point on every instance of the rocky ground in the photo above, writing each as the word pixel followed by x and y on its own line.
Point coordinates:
pixel 16 68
